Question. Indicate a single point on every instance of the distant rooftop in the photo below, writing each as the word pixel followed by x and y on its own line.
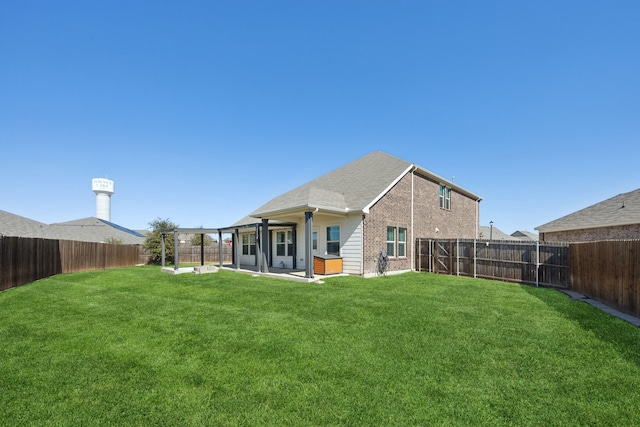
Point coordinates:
pixel 87 230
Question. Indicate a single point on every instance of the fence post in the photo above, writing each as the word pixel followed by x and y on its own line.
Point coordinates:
pixel 457 257
pixel 537 263
pixel 475 259
pixel 430 256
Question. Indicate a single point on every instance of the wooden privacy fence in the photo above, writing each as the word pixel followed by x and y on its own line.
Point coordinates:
pixel 24 260
pixel 191 254
pixel 608 271
pixel 532 263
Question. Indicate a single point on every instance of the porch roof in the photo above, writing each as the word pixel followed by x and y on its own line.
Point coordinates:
pixel 251 222
pixel 199 230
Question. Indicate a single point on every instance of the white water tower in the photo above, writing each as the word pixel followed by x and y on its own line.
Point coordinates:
pixel 103 189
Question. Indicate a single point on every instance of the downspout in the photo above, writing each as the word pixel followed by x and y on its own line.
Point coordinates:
pixel 413 244
pixel 477 219
pixel 364 217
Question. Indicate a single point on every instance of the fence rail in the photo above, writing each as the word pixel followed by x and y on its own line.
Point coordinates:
pixel 24 260
pixel 532 263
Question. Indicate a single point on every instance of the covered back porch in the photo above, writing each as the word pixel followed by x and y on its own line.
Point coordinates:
pixel 259 246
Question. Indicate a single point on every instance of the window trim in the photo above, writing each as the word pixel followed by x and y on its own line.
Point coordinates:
pixel 444 194
pixel 391 244
pixel 249 244
pixel 333 241
pixel 402 243
pixel 314 239
pixel 286 245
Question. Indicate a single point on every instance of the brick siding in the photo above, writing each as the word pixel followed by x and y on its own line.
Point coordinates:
pixel 394 210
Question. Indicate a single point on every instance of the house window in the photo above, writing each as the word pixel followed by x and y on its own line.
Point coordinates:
pixel 396 242
pixel 248 244
pixel 333 240
pixel 315 240
pixel 402 242
pixel 284 243
pixel 445 198
pixel 391 241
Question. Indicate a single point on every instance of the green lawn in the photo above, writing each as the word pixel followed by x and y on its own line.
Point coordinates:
pixel 139 347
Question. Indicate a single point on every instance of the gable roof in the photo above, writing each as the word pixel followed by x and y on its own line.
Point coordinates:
pixel 87 230
pixel 497 234
pixel 524 235
pixel 18 226
pixel 353 187
pixel 93 229
pixel 623 209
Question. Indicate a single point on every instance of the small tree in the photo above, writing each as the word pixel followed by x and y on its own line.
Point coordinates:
pixel 197 238
pixel 153 242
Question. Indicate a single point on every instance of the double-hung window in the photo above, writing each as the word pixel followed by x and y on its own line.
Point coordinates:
pixel 391 241
pixel 284 243
pixel 445 197
pixel 402 242
pixel 396 242
pixel 333 240
pixel 248 244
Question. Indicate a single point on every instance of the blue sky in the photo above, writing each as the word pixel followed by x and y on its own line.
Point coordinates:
pixel 203 111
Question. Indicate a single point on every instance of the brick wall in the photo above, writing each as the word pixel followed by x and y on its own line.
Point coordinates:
pixel 458 223
pixel 622 232
pixel 394 210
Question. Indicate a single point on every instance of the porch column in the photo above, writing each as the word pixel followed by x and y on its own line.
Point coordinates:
pixel 258 257
pixel 236 247
pixel 308 244
pixel 294 238
pixel 176 257
pixel 264 245
pixel 202 249
pixel 163 249
pixel 220 247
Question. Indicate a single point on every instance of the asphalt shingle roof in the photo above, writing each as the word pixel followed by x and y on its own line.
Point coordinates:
pixel 18 226
pixel 86 230
pixel 623 209
pixel 352 187
pixel 95 230
pixel 496 234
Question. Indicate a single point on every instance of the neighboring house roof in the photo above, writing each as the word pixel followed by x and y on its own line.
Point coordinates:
pixel 353 187
pixel 623 209
pixel 18 226
pixel 496 234
pixel 86 230
pixel 524 235
pixel 94 230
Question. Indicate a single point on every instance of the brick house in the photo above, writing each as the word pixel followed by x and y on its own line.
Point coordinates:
pixel 376 203
pixel 617 218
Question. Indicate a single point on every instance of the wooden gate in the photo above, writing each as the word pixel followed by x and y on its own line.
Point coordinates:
pixel 443 257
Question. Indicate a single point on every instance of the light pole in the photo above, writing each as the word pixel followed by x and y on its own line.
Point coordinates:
pixel 490 230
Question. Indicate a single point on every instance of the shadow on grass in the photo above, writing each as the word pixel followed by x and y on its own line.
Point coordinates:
pixel 623 336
